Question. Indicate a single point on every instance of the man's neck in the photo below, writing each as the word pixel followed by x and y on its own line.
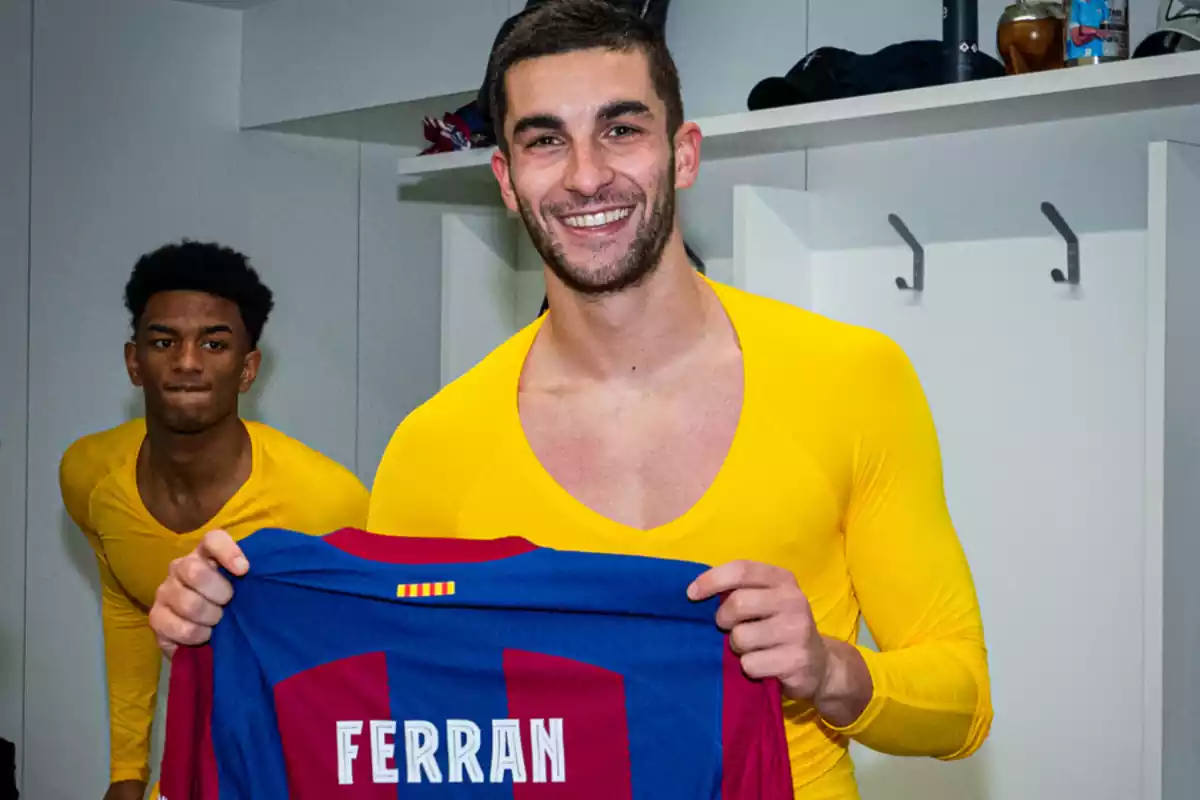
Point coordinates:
pixel 635 332
pixel 187 465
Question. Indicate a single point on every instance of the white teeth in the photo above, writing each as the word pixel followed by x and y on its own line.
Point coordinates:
pixel 596 220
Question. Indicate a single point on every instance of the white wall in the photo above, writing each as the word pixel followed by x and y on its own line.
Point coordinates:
pixel 136 143
pixel 306 57
pixel 15 44
pixel 768 37
pixel 309 57
pixel 400 305
pixel 760 37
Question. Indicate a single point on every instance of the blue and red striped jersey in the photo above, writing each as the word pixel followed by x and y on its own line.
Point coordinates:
pixel 360 666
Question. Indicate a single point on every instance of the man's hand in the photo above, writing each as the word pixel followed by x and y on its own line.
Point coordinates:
pixel 771 628
pixel 126 790
pixel 189 602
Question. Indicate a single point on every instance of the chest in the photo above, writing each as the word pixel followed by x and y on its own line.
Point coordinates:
pixel 183 515
pixel 139 550
pixel 189 512
pixel 773 501
pixel 639 455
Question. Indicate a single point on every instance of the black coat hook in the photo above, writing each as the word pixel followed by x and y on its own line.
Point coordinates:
pixel 1064 230
pixel 918 281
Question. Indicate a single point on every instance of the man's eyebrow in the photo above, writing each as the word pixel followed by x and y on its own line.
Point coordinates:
pixel 207 330
pixel 624 108
pixel 538 122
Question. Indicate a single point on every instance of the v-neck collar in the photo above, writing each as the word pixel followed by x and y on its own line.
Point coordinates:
pixel 548 488
pixel 211 522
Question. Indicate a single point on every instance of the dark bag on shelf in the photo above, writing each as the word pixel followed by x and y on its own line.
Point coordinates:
pixel 832 73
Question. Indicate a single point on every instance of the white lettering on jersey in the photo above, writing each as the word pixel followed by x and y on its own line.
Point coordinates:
pixel 506 751
pixel 383 751
pixel 420 746
pixel 347 752
pixel 547 744
pixel 463 741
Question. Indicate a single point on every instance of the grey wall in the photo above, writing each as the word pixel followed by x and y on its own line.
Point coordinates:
pixel 136 143
pixel 15 60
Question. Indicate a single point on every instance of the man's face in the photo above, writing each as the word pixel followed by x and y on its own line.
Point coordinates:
pixel 592 168
pixel 191 356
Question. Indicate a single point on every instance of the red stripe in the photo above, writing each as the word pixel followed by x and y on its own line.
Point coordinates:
pixel 309 706
pixel 189 765
pixel 591 702
pixel 756 764
pixel 425 550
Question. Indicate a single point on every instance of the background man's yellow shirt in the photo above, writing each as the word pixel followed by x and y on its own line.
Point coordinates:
pixel 834 473
pixel 290 486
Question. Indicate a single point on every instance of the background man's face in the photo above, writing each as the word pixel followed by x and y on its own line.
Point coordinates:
pixel 192 358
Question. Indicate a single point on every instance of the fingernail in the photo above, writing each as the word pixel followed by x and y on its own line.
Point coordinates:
pixel 241 563
pixel 691 592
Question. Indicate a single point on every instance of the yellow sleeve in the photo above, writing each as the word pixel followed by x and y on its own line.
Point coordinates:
pixel 932 692
pixel 344 503
pixel 420 484
pixel 132 658
pixel 391 505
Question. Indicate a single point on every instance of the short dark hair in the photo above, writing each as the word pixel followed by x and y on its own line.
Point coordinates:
pixel 200 267
pixel 564 26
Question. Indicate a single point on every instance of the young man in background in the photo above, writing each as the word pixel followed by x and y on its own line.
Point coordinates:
pixel 145 492
pixel 654 412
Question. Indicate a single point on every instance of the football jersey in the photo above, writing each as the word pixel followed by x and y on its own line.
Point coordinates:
pixel 361 666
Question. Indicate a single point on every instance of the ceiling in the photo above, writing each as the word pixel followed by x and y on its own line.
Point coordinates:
pixel 235 5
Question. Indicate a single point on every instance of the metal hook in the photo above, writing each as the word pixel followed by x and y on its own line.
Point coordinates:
pixel 1064 230
pixel 918 283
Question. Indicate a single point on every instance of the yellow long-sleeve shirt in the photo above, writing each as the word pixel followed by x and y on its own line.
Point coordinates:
pixel 290 485
pixel 834 473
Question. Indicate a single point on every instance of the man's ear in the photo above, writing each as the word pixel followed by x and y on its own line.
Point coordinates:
pixel 131 364
pixel 687 154
pixel 250 366
pixel 501 168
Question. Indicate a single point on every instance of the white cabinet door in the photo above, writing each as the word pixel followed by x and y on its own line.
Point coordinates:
pixel 1173 462
pixel 479 287
pixel 1038 392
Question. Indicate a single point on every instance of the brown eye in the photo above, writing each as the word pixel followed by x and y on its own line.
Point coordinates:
pixel 622 131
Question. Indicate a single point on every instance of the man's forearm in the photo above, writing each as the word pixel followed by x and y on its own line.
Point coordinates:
pixel 847 688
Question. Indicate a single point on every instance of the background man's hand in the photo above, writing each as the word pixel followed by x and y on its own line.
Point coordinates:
pixel 190 601
pixel 125 790
pixel 771 628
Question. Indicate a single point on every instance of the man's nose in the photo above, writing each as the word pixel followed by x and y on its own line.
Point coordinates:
pixel 188 357
pixel 587 170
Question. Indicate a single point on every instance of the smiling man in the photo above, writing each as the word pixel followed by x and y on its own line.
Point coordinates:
pixel 144 492
pixel 652 411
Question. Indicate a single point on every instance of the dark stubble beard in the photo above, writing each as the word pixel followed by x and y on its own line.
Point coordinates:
pixel 638 262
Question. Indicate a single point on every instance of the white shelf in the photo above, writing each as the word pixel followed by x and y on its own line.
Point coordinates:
pixel 447 162
pixel 1064 94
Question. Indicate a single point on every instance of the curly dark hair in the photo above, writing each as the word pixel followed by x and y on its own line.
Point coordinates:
pixel 565 26
pixel 201 267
